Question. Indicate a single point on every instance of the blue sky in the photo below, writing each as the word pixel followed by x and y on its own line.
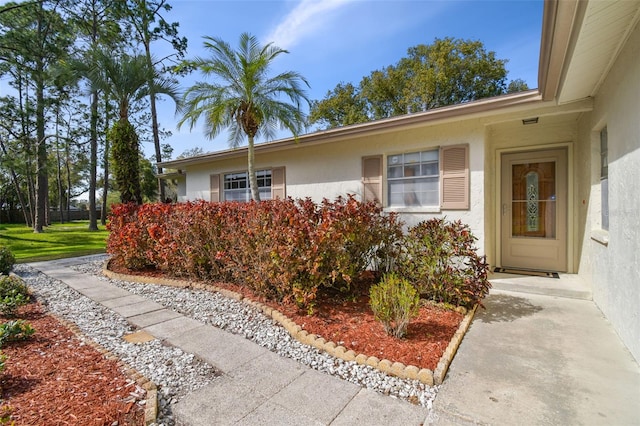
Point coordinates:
pixel 335 41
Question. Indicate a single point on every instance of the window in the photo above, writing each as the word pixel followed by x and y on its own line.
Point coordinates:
pixel 413 179
pixel 604 179
pixel 433 178
pixel 236 186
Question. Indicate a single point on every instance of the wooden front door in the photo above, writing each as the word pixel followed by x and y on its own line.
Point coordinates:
pixel 534 210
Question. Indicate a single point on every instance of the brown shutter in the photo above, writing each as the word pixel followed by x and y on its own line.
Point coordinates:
pixel 215 187
pixel 454 177
pixel 278 183
pixel 372 178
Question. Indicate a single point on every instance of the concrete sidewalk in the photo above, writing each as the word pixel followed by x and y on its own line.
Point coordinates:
pixel 528 359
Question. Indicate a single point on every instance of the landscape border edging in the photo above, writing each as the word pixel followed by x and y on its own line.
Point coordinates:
pixel 397 369
pixel 449 353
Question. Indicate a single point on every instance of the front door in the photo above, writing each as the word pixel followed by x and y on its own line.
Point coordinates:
pixel 534 210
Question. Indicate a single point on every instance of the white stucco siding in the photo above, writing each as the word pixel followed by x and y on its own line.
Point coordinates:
pixel 182 189
pixel 335 169
pixel 327 171
pixel 198 183
pixel 323 171
pixel 615 267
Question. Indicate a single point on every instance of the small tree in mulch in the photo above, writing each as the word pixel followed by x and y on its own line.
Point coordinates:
pixel 394 303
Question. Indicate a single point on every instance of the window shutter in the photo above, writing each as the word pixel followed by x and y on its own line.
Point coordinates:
pixel 372 178
pixel 278 183
pixel 215 188
pixel 454 177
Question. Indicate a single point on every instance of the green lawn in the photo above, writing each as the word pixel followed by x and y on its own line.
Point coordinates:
pixel 56 242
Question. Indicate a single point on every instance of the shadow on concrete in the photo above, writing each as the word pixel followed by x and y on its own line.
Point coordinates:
pixel 503 308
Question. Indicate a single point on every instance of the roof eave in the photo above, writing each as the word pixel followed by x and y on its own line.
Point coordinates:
pixel 561 21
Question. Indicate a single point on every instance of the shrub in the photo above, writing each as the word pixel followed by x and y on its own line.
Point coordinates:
pixel 13 294
pixel 6 410
pixel 441 260
pixel 394 302
pixel 15 330
pixel 7 260
pixel 281 249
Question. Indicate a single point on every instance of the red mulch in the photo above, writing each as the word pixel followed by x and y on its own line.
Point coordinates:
pixel 350 323
pixel 52 378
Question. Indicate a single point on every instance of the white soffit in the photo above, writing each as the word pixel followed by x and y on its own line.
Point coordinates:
pixel 605 28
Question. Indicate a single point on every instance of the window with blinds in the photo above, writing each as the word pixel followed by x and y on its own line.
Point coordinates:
pixel 430 178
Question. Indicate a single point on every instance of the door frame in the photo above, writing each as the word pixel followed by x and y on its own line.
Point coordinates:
pixel 497 202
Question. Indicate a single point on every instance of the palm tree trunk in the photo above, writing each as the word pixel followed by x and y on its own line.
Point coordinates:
pixel 253 180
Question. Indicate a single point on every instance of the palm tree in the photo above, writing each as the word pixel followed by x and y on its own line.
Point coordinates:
pixel 126 80
pixel 246 99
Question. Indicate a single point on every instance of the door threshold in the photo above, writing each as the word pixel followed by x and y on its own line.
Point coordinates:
pixel 527 272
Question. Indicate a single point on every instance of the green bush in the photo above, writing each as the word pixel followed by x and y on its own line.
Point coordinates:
pixel 394 302
pixel 7 260
pixel 15 330
pixel 442 262
pixel 13 294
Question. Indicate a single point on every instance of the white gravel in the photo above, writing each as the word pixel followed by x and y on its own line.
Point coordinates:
pixel 175 372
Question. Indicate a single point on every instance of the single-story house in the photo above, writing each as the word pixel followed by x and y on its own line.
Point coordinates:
pixel 548 179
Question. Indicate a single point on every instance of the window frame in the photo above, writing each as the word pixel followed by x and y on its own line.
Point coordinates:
pixel 261 175
pixel 453 179
pixel 404 166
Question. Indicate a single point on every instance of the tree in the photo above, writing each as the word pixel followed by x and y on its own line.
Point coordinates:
pixel 246 97
pixel 142 14
pixel 192 152
pixel 148 180
pixel 341 107
pixel 517 85
pixel 449 71
pixel 125 79
pixel 34 40
pixel 96 25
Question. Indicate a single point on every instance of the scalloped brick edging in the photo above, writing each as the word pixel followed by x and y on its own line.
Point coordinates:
pixel 151 398
pixel 397 369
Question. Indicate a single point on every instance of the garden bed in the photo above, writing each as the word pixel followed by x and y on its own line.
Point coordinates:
pixel 347 322
pixel 53 377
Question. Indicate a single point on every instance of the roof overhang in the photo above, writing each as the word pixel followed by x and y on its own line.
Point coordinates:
pixel 580 42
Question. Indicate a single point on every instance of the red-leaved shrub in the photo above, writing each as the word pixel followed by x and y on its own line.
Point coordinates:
pixel 282 249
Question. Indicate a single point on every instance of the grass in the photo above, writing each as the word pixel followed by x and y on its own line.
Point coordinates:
pixel 56 242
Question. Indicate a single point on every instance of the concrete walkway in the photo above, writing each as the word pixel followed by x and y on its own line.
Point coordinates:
pixel 258 386
pixel 528 359
pixel 541 355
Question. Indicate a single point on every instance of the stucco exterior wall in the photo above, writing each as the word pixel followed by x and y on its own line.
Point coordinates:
pixel 614 269
pixel 333 169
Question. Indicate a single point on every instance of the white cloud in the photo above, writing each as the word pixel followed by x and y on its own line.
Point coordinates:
pixel 303 21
